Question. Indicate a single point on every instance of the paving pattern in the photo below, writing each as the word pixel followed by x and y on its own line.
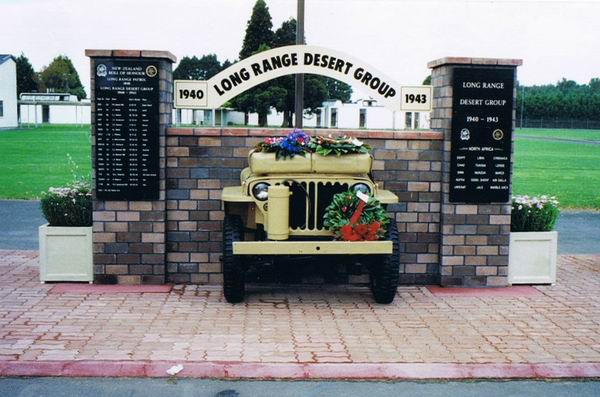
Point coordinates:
pixel 560 324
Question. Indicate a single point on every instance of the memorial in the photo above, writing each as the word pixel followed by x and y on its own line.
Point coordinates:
pixel 158 215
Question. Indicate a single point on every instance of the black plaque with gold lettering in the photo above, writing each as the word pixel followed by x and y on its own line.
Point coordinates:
pixel 482 108
pixel 127 126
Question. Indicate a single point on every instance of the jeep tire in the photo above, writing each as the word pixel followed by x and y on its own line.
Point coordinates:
pixel 233 267
pixel 385 269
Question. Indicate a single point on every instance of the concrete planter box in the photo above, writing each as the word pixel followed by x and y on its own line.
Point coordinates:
pixel 532 257
pixel 66 253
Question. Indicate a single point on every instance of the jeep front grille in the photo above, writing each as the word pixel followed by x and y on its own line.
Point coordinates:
pixel 308 202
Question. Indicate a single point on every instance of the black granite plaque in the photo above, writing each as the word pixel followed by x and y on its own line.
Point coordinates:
pixel 127 126
pixel 482 108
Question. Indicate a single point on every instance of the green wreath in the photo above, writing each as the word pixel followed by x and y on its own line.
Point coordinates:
pixel 371 225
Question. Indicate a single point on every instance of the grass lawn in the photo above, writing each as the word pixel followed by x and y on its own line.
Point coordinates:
pixel 569 171
pixel 31 160
pixel 582 135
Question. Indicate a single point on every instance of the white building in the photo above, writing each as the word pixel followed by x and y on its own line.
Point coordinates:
pixel 53 108
pixel 364 113
pixel 8 92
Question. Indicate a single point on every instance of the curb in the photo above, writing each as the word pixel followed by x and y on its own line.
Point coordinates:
pixel 299 371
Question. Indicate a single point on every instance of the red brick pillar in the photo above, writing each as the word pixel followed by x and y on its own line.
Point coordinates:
pixel 129 228
pixel 474 235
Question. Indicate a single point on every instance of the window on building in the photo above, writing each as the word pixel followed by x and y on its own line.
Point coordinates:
pixel 362 119
pixel 318 118
pixel 417 118
pixel 1 108
pixel 408 120
pixel 334 120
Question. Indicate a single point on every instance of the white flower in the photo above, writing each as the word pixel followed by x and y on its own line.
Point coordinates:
pixel 520 207
pixel 356 142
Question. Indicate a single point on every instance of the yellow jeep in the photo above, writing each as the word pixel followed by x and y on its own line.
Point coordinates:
pixel 280 205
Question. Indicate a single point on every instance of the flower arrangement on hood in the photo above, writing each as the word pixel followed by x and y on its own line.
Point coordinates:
pixel 298 142
pixel 533 214
pixel 295 143
pixel 338 145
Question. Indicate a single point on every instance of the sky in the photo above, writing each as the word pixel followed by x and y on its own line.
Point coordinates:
pixel 555 38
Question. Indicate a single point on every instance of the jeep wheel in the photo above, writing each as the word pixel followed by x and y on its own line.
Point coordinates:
pixel 233 268
pixel 385 270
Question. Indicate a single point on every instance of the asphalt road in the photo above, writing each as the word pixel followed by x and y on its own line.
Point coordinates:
pixel 107 387
pixel 578 232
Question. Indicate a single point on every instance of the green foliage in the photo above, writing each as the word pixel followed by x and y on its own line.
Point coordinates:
pixel 564 100
pixel 427 80
pixel 26 78
pixel 532 214
pixel 202 68
pixel 337 89
pixel 61 76
pixel 343 205
pixel 337 145
pixel 68 206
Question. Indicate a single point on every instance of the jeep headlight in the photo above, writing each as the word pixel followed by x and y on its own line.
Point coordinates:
pixel 260 191
pixel 361 187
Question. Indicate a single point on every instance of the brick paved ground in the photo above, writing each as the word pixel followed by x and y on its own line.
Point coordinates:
pixel 561 324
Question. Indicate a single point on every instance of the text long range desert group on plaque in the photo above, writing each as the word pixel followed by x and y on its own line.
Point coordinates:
pixel 481 135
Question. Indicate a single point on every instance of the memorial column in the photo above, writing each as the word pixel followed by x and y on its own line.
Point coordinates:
pixel 131 93
pixel 474 107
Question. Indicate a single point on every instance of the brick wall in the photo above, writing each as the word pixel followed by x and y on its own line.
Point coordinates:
pixel 200 162
pixel 474 237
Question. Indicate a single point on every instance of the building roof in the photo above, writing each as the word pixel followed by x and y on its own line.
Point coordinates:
pixel 6 57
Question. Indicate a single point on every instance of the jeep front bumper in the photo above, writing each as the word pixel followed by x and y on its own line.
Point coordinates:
pixel 264 248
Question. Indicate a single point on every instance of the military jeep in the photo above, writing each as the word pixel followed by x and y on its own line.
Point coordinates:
pixel 278 211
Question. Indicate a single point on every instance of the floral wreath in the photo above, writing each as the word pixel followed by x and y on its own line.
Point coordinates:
pixel 299 143
pixel 351 218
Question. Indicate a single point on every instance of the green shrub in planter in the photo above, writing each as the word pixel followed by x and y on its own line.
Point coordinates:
pixel 68 206
pixel 533 214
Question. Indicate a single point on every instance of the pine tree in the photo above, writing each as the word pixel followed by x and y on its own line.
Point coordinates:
pixel 258 38
pixel 258 30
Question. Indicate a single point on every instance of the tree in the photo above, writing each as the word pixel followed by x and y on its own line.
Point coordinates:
pixel 26 79
pixel 195 68
pixel 62 76
pixel 427 80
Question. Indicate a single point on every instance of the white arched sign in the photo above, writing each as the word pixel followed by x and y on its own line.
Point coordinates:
pixel 268 65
